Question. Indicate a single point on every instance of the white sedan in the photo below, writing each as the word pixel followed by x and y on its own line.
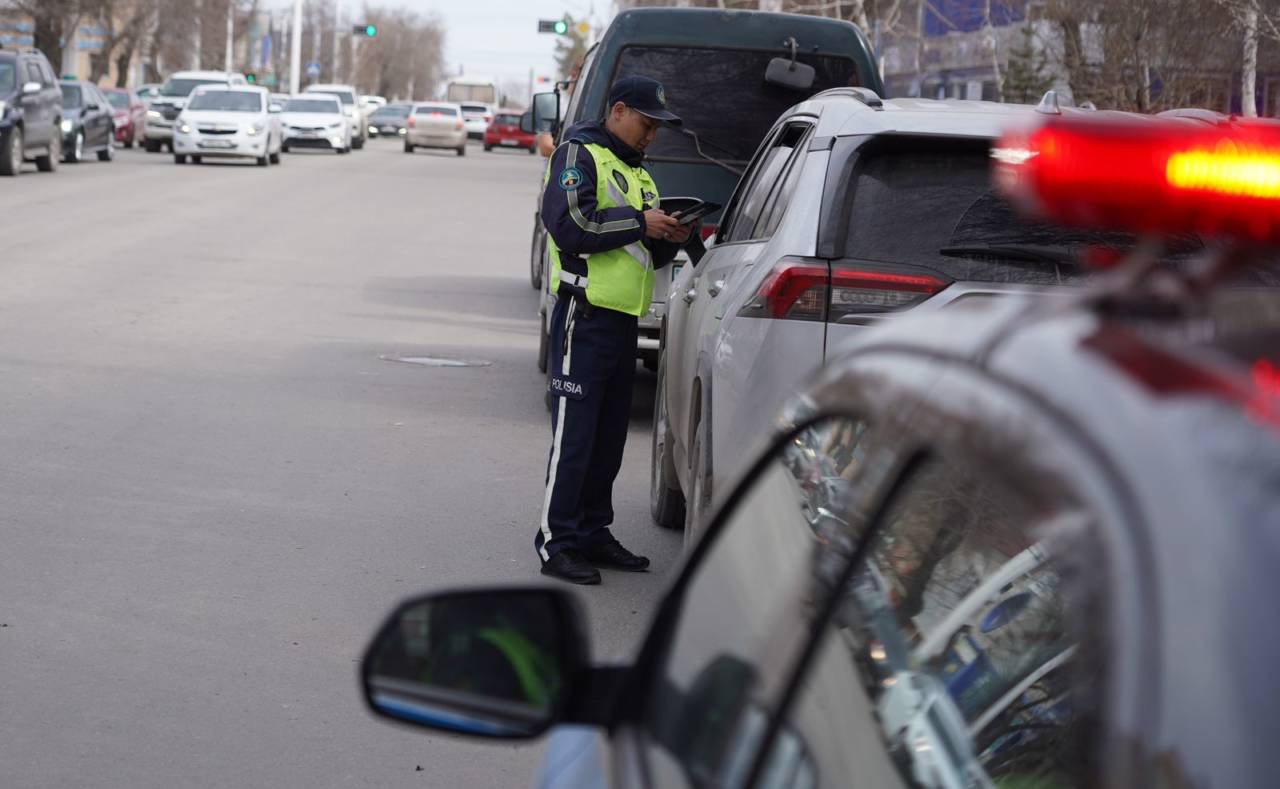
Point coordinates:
pixel 315 120
pixel 436 124
pixel 228 121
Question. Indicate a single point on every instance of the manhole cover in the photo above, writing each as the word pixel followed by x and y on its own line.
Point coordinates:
pixel 436 361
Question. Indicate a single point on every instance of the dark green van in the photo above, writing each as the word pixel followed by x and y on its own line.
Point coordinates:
pixel 728 75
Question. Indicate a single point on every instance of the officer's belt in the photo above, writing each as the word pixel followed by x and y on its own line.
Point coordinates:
pixel 573 280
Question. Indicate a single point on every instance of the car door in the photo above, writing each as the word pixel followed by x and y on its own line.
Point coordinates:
pixel 740 619
pixel 692 311
pixel 38 110
pixel 100 123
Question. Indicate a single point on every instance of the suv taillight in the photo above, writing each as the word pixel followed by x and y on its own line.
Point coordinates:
pixel 808 289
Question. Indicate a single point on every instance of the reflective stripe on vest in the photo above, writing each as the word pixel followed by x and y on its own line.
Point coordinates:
pixel 617 279
pixel 533 669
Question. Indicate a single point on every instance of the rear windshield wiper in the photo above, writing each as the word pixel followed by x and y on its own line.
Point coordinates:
pixel 1031 253
pixel 697 146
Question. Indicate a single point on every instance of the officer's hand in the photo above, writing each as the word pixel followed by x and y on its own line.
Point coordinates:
pixel 681 233
pixel 658 225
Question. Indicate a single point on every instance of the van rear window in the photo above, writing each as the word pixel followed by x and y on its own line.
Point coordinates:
pixel 721 95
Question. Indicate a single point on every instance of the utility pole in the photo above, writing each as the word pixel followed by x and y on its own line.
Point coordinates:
pixel 231 27
pixel 337 25
pixel 295 48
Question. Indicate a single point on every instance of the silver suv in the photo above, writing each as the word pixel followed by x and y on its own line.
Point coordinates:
pixel 164 109
pixel 853 210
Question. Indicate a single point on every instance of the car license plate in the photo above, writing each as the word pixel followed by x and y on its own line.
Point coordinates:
pixel 217 144
pixel 387 129
pixel 508 142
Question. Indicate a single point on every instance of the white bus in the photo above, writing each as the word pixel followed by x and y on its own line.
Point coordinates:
pixel 472 90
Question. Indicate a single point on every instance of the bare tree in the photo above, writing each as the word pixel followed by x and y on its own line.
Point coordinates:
pixel 54 21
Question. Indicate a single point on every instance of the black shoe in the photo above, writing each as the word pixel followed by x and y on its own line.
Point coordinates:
pixel 571 566
pixel 611 554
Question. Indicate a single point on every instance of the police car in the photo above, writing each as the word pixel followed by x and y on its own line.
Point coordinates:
pixel 1012 543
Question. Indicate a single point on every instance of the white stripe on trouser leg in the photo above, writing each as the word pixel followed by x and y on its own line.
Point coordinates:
pixel 555 442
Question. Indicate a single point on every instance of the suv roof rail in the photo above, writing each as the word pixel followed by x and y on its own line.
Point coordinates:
pixel 866 96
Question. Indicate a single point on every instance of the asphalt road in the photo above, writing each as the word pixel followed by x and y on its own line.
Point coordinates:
pixel 214 486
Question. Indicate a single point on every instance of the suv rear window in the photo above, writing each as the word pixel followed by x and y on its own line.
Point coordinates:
pixel 345 96
pixel 8 78
pixel 183 87
pixel 478 108
pixel 435 109
pixel 721 95
pixel 506 120
pixel 933 205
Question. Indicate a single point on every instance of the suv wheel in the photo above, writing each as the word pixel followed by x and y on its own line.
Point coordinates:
pixel 49 162
pixel 108 153
pixel 151 146
pixel 76 154
pixel 544 345
pixel 11 153
pixel 666 501
pixel 696 504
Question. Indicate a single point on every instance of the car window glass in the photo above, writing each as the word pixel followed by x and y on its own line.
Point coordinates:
pixel 226 101
pixel 118 100
pixel 747 612
pixel 765 180
pixel 436 109
pixel 325 106
pixel 49 78
pixel 71 96
pixel 776 206
pixel 33 75
pixel 952 659
pixel 721 94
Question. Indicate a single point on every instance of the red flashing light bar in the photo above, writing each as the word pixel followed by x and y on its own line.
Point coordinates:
pixel 1153 176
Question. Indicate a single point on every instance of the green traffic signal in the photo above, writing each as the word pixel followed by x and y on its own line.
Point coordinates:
pixel 250 78
pixel 371 30
pixel 562 27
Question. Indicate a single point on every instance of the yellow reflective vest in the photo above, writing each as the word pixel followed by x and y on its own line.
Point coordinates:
pixel 618 279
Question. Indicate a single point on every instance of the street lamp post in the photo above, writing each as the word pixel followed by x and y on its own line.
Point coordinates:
pixel 295 49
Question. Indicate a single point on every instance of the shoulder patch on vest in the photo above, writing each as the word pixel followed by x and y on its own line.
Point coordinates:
pixel 621 181
pixel 570 178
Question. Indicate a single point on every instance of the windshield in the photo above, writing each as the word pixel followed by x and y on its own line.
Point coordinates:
pixel 118 99
pixel 71 97
pixel 313 105
pixel 721 95
pixel 183 87
pixel 227 101
pixel 506 120
pixel 7 80
pixel 436 109
pixel 480 108
pixel 345 96
pixel 392 112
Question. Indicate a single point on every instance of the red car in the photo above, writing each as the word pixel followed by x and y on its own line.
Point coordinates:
pixel 128 113
pixel 504 132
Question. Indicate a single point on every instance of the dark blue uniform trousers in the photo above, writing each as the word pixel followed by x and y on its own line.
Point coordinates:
pixel 593 367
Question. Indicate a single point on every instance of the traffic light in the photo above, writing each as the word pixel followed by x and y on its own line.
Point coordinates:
pixel 557 26
pixel 562 27
pixel 250 77
pixel 369 31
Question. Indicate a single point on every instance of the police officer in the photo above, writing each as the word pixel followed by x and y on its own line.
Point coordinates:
pixel 606 237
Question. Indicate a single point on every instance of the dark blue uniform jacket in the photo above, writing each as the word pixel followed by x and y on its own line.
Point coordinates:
pixel 572 216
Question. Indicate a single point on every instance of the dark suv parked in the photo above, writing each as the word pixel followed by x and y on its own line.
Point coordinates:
pixel 30 112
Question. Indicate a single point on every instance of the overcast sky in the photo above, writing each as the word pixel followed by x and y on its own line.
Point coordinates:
pixel 500 38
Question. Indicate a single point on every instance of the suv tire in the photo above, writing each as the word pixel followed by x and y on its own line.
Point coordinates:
pixel 535 259
pixel 357 143
pixel 666 500
pixel 107 154
pixel 151 146
pixel 408 147
pixel 49 162
pixel 11 153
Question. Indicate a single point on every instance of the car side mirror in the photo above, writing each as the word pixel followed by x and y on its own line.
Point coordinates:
pixel 546 112
pixel 503 663
pixel 526 122
pixel 789 74
pixel 91 107
pixel 31 87
pixel 275 108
